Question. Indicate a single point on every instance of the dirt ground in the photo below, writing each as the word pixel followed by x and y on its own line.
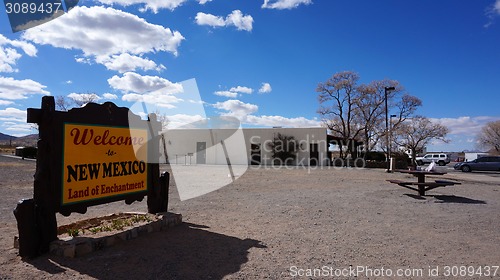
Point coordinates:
pixel 287 223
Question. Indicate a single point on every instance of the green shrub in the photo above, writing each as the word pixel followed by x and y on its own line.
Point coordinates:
pixel 375 156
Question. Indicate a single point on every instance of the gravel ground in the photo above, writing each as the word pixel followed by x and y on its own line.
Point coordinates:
pixel 282 223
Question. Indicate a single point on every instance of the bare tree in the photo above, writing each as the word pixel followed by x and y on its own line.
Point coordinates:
pixel 371 109
pixel 82 99
pixel 489 138
pixel 353 111
pixel 416 133
pixel 337 97
pixel 63 103
pixel 162 119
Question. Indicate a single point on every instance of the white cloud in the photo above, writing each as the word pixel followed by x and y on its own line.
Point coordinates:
pixel 27 48
pixel 8 59
pixel 226 93
pixel 21 128
pixel 210 20
pixel 135 83
pixel 203 2
pixel 125 63
pixel 148 89
pixel 157 98
pixel 496 7
pixel 233 92
pixel 465 125
pixel 272 121
pixel 153 5
pixel 236 108
pixel 183 120
pixel 19 89
pixel 110 96
pixel 101 33
pixel 4 102
pixel 69 82
pixel 284 4
pixel 265 88
pixel 9 55
pixel 12 115
pixel 241 89
pixel 492 12
pixel 463 132
pixel 235 18
pixel 241 22
pixel 244 112
pixel 84 60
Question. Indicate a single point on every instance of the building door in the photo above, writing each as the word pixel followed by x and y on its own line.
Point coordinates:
pixel 255 154
pixel 313 154
pixel 201 152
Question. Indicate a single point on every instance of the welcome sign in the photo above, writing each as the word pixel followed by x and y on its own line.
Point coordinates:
pixel 87 156
pixel 102 161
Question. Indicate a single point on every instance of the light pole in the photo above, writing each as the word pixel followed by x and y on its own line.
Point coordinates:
pixel 386 91
pixel 390 134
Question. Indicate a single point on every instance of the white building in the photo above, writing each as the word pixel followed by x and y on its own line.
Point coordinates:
pixel 242 146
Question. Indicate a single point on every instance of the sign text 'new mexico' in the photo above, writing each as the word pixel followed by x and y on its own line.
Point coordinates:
pixel 103 161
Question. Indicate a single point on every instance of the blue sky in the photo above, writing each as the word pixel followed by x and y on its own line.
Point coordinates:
pixel 259 61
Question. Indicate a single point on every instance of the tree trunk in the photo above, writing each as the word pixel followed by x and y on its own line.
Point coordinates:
pixel 341 148
pixel 366 147
pixel 413 157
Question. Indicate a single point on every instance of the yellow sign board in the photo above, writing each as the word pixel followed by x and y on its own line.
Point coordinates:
pixel 103 161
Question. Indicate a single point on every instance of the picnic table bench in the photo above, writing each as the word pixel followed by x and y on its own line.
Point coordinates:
pixel 421 185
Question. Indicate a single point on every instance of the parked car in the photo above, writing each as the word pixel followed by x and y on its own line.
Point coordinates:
pixel 441 159
pixel 489 163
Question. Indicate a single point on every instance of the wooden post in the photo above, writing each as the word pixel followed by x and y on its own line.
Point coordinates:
pixel 37 224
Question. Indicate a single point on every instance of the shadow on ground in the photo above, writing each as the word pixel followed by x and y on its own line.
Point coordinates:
pixel 188 251
pixel 457 199
pixel 448 199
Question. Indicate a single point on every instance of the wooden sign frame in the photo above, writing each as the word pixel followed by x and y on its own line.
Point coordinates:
pixel 53 166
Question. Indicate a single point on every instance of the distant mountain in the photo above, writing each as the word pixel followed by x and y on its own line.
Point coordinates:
pixel 6 137
pixel 28 140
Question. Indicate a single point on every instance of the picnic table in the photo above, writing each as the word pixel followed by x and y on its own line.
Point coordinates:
pixel 422 185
